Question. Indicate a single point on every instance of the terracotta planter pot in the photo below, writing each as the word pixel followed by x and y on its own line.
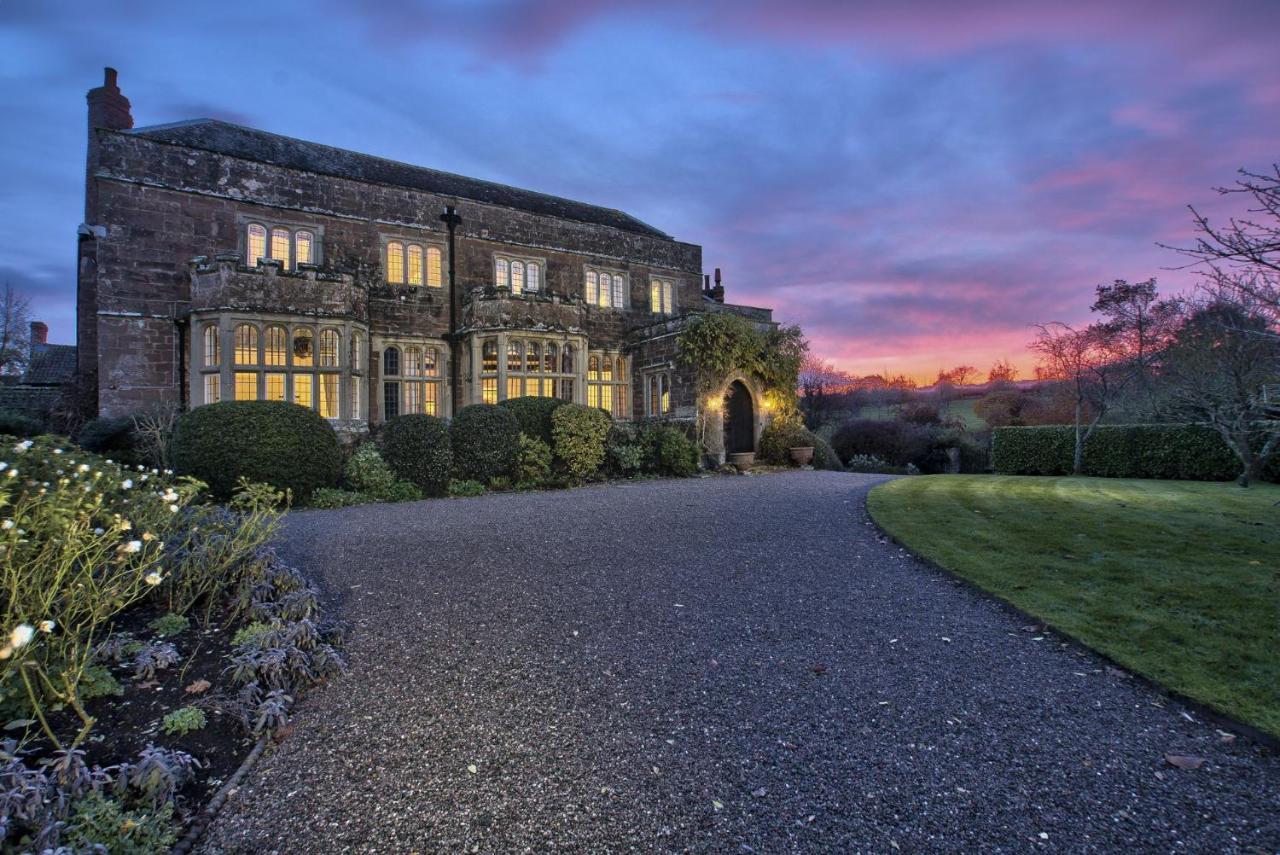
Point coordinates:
pixel 742 460
pixel 801 455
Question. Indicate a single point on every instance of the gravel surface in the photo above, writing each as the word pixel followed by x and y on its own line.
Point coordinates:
pixel 723 664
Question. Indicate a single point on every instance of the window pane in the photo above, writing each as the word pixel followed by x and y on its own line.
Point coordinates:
pixel 607 374
pixel 668 297
pixel 390 401
pixel 275 387
pixel 532 357
pixel 302 390
pixel 257 244
pixel 655 296
pixel 549 362
pixel 355 398
pixel 621 371
pixel 566 390
pixel 490 360
pixel 329 348
pixel 276 350
pixel 212 388
pixel 415 264
pixel 395 261
pixel 303 352
pixel 513 356
pixel 517 277
pixel 513 388
pixel 429 404
pixel 592 291
pixel 593 394
pixel 500 272
pixel 489 390
pixel 280 246
pixel 618 301
pixel 302 247
pixel 329 396
pixel 212 345
pixel 357 351
pixel 246 386
pixel 665 384
pixel 532 278
pixel 654 405
pixel 412 365
pixel 430 362
pixel 606 398
pixel 246 345
pixel 567 361
pixel 593 368
pixel 412 395
pixel 620 403
pixel 433 267
pixel 391 361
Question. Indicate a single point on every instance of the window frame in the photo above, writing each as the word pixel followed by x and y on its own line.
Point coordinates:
pixel 430 261
pixel 505 265
pixel 423 382
pixel 619 287
pixel 245 222
pixel 608 379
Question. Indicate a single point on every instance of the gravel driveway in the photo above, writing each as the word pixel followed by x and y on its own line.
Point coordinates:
pixel 722 664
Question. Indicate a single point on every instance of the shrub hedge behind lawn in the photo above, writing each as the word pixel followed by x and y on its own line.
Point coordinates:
pixel 486 443
pixel 276 442
pixel 533 415
pixel 419 449
pixel 1174 452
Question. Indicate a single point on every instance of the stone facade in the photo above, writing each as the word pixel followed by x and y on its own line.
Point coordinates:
pixel 482 291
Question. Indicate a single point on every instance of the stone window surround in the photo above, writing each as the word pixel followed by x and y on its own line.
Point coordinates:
pixel 538 261
pixel 501 338
pixel 269 223
pixel 426 240
pixel 227 321
pixel 380 342
pixel 611 271
pixel 621 404
pixel 660 373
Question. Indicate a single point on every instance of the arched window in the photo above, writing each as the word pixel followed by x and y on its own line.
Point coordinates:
pixel 551 359
pixel 607 385
pixel 246 344
pixel 659 402
pixel 618 297
pixel 605 289
pixel 593 368
pixel 567 360
pixel 302 248
pixel 532 279
pixel 489 362
pixel 513 356
pixel 391 362
pixel 415 264
pixel 277 348
pixel 501 273
pixel 328 348
pixel 212 345
pixel 532 357
pixel 395 261
pixel 357 351
pixel 593 290
pixel 303 350
pixel 517 277
pixel 256 243
pixel 431 362
pixel 280 246
pixel 433 267
pixel 412 362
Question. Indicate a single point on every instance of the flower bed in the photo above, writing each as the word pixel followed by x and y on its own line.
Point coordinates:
pixel 150 638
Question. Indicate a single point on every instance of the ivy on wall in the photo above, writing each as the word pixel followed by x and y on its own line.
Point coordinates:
pixel 718 345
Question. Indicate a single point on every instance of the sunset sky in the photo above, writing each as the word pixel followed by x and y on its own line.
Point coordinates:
pixel 914 183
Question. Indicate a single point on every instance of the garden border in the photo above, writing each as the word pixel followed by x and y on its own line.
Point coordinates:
pixel 1209 714
pixel 210 811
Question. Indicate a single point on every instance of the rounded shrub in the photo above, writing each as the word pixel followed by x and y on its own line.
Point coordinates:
pixel 671 452
pixel 281 444
pixel 535 461
pixel 781 435
pixel 625 451
pixel 419 449
pixel 111 436
pixel 367 472
pixel 533 415
pixel 486 443
pixel 16 424
pixel 579 435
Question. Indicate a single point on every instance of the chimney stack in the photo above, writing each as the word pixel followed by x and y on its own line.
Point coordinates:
pixel 39 333
pixel 108 108
pixel 717 293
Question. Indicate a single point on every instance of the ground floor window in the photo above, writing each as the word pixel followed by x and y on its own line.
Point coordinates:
pixel 412 378
pixel 658 402
pixel 607 387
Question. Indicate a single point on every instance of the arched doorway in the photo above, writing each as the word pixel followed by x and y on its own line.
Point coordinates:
pixel 739 419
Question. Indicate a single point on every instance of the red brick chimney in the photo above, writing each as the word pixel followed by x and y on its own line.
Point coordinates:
pixel 108 108
pixel 39 332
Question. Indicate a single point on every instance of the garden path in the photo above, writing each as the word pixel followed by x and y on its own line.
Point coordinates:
pixel 727 664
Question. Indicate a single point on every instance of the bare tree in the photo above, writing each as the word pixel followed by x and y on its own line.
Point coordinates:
pixel 1088 363
pixel 15 330
pixel 821 384
pixel 1216 371
pixel 1140 325
pixel 1002 375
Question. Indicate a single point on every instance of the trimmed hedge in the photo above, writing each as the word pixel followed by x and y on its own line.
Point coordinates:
pixel 486 443
pixel 533 415
pixel 282 444
pixel 16 424
pixel 1173 452
pixel 579 435
pixel 419 449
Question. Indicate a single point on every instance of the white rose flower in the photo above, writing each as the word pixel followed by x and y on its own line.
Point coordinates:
pixel 46 626
pixel 153 578
pixel 132 546
pixel 6 525
pixel 173 509
pixel 22 446
pixel 126 484
pixel 99 531
pixel 21 635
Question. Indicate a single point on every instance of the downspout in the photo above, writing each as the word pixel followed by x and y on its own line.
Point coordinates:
pixel 184 391
pixel 451 220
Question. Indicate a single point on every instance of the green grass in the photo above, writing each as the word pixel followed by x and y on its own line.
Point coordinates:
pixel 1176 580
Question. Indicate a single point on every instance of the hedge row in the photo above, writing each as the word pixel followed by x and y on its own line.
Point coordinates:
pixel 1175 452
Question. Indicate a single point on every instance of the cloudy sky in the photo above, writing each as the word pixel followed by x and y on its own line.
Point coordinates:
pixel 916 183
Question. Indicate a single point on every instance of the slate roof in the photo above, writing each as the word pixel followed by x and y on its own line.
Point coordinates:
pixel 251 144
pixel 51 365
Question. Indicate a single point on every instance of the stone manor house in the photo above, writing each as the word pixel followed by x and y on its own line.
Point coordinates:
pixel 219 262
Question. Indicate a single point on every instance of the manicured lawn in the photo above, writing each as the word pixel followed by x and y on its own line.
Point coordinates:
pixel 1176 580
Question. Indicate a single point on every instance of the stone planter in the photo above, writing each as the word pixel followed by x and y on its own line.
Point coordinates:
pixel 742 460
pixel 801 455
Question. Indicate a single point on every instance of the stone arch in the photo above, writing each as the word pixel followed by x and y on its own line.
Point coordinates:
pixel 713 409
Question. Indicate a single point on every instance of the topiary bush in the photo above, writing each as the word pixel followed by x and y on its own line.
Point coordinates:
pixel 282 444
pixel 16 424
pixel 486 443
pixel 419 449
pixel 579 435
pixel 111 436
pixel 533 415
pixel 671 452
pixel 1181 452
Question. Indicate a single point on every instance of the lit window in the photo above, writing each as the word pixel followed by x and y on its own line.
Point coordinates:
pixel 257 244
pixel 430 405
pixel 501 272
pixel 395 261
pixel 593 292
pixel 659 395
pixel 433 267
pixel 276 350
pixel 514 388
pixel 517 277
pixel 302 243
pixel 303 351
pixel 246 346
pixel 617 292
pixel 661 297
pixel 489 390
pixel 246 386
pixel 412 362
pixel 430 362
pixel 666 394
pixel 302 390
pixel 391 361
pixel 212 345
pixel 532 357
pixel 412 398
pixel 489 359
pixel 607 385
pixel 329 396
pixel 328 348
pixel 415 266
pixel 514 359
pixel 212 388
pixel 605 289
pixel 275 387
pixel 280 246
pixel 532 278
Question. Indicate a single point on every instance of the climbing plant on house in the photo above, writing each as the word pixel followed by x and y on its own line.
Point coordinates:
pixel 715 346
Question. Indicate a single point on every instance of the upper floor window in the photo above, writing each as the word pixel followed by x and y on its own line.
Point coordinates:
pixel 606 289
pixel 662 297
pixel 412 264
pixel 290 247
pixel 521 275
